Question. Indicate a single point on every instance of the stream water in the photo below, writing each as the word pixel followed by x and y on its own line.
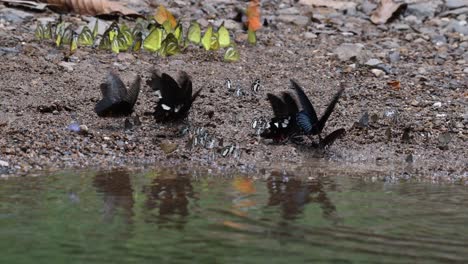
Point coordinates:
pixel 167 217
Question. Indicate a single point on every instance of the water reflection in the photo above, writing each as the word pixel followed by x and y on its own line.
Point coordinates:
pixel 117 192
pixel 292 195
pixel 162 216
pixel 167 198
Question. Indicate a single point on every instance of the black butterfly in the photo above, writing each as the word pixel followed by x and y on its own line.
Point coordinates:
pixel 175 97
pixel 282 125
pixel 116 100
pixel 307 119
pixel 330 138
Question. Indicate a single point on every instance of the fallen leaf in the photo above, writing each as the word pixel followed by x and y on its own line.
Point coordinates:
pixel 26 4
pixel 162 15
pixel 91 7
pixel 253 15
pixel 395 85
pixel 340 5
pixel 386 10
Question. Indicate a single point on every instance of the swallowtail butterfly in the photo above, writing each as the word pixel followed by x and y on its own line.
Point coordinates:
pixel 116 100
pixel 176 97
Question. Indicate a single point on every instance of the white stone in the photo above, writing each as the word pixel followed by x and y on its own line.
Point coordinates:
pixel 378 73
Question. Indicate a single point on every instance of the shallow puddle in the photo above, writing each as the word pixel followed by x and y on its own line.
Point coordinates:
pixel 165 217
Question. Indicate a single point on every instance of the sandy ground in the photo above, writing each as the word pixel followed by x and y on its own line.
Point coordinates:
pixel 41 95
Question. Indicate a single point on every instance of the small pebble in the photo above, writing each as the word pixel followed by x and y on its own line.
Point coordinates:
pixel 378 73
pixel 83 129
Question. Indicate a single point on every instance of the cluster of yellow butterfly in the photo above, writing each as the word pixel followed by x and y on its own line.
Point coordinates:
pixel 164 38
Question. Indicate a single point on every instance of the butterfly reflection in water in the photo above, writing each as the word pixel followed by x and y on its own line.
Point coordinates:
pixel 116 100
pixel 175 97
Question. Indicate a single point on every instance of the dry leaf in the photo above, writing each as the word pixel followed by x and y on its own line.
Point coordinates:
pixel 386 10
pixel 253 15
pixel 395 85
pixel 26 4
pixel 91 7
pixel 162 14
pixel 340 5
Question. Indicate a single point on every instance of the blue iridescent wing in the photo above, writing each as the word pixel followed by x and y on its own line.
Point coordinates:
pixel 303 121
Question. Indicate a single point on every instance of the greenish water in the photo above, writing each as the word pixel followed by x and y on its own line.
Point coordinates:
pixel 165 217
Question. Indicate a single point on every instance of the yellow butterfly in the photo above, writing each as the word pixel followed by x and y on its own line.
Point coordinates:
pixel 105 43
pixel 170 46
pixel 48 31
pixel 214 45
pixel 67 36
pixel 96 28
pixel 162 15
pixel 206 40
pixel 167 26
pixel 137 29
pixel 137 42
pixel 251 37
pixel 231 55
pixel 194 33
pixel 74 43
pixel 223 36
pixel 125 37
pixel 59 30
pixel 178 32
pixel 113 31
pixel 115 47
pixel 39 32
pixel 86 37
pixel 153 41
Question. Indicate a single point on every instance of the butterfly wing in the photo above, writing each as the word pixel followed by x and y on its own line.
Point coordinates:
pixel 304 122
pixel 113 92
pixel 194 33
pixel 133 92
pixel 330 138
pixel 169 91
pixel 106 101
pixel 223 36
pixel 185 84
pixel 231 55
pixel 156 81
pixel 328 111
pixel 154 40
pixel 277 105
pixel 206 40
pixel 305 102
pixel 291 104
